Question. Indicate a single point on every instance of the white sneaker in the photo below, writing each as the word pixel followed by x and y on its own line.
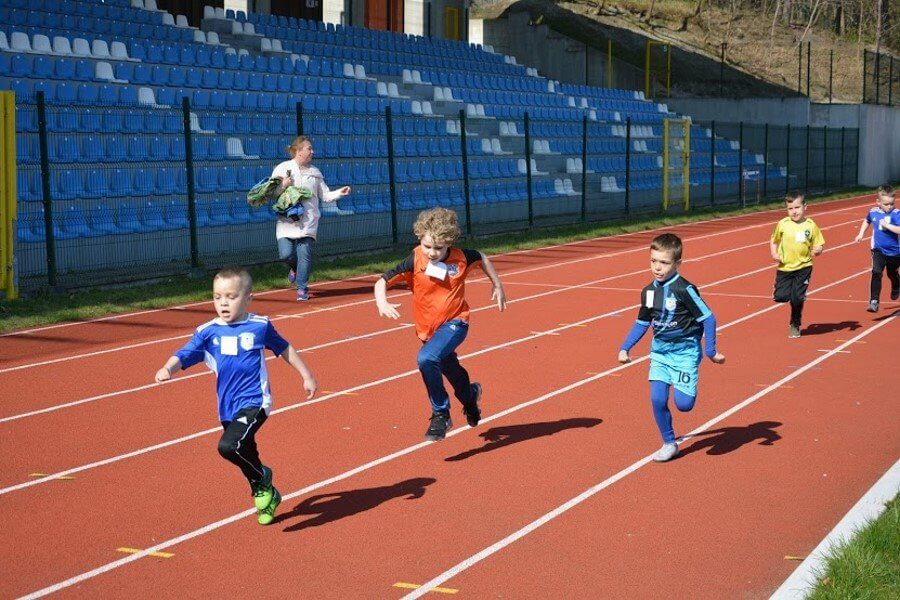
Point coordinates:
pixel 666 453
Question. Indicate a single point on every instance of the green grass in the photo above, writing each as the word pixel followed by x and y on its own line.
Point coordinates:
pixel 867 567
pixel 47 308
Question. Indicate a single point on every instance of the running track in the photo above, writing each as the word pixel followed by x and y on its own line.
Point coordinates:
pixel 552 494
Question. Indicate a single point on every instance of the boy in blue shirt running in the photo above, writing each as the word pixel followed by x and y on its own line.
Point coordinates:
pixel 885 220
pixel 233 347
pixel 672 307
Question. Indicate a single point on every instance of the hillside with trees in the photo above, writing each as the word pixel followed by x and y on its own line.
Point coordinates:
pixel 760 40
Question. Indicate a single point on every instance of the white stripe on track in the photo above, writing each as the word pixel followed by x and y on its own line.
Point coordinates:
pixel 546 518
pixel 586 285
pixel 379 381
pixel 387 458
pixel 26 332
pixel 401 294
pixel 803 580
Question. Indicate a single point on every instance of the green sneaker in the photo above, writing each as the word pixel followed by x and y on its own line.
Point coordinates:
pixel 262 490
pixel 267 515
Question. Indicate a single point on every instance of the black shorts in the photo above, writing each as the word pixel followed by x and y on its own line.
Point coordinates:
pixel 791 286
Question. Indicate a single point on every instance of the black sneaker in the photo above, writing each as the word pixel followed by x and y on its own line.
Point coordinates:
pixel 438 427
pixel 895 294
pixel 473 409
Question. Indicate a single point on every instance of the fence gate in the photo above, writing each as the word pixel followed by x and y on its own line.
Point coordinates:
pixel 676 162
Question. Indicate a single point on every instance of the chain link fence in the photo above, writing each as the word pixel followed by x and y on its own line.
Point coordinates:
pixel 110 193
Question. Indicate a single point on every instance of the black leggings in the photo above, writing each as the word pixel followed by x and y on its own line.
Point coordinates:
pixel 791 286
pixel 880 262
pixel 238 444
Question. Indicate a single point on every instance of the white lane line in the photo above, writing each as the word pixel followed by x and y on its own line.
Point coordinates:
pixel 359 302
pixel 344 340
pixel 379 461
pixel 370 384
pixel 801 582
pixel 546 518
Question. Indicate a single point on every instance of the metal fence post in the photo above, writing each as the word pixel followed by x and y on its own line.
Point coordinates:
pixel 825 157
pixel 584 168
pixel 191 192
pixel 628 165
pixel 800 69
pixel 878 78
pixel 808 70
pixel 891 82
pixel 722 70
pixel 45 189
pixel 299 118
pixel 392 181
pixel 743 197
pixel 465 170
pixel 765 192
pixel 528 170
pixel 841 182
pixel 712 166
pixel 865 73
pixel 806 182
pixel 830 74
pixel 787 161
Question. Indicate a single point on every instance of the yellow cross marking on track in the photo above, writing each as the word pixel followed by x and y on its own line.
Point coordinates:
pixel 414 586
pixel 154 554
pixel 45 475
pixel 792 557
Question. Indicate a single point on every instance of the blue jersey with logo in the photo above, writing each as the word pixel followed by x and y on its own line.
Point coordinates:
pixel 673 309
pixel 235 352
pixel 883 240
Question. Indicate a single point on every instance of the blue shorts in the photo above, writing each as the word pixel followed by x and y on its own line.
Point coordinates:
pixel 676 363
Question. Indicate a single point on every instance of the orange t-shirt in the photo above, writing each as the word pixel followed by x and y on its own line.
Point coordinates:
pixel 435 301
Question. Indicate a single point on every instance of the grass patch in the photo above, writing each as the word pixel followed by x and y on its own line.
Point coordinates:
pixel 868 566
pixel 46 308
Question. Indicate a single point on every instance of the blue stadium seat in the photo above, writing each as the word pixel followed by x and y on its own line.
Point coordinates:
pixel 102 222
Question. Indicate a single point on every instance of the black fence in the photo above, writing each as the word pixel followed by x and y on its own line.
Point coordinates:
pixel 111 193
pixel 881 79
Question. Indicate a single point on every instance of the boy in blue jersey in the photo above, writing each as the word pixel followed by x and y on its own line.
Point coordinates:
pixel 233 347
pixel 885 220
pixel 672 307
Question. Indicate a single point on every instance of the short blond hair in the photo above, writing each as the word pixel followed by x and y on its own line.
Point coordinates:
pixel 296 144
pixel 886 190
pixel 441 224
pixel 239 273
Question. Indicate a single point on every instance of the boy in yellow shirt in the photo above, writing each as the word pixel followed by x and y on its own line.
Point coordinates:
pixel 795 240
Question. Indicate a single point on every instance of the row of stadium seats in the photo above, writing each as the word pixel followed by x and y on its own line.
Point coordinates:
pixel 72 221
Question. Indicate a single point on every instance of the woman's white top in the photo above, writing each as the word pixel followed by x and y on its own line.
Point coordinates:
pixel 311 179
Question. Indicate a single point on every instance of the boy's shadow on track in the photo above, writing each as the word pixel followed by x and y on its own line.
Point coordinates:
pixel 338 505
pixel 822 328
pixel 728 439
pixel 500 437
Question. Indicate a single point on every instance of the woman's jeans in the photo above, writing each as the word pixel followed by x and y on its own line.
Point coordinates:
pixel 297 254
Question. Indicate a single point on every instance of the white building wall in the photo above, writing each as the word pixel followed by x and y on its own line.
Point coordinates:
pixel 414 17
pixel 333 11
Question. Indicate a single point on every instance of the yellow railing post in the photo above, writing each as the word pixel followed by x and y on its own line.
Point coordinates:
pixel 8 195
pixel 647 71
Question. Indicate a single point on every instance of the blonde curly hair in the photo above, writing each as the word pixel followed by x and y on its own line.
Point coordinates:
pixel 441 224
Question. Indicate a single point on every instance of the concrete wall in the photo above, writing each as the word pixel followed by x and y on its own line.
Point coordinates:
pixel 786 111
pixel 879 144
pixel 554 55
pixel 879 126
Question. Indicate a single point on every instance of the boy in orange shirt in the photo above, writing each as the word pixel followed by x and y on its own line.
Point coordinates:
pixel 436 273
